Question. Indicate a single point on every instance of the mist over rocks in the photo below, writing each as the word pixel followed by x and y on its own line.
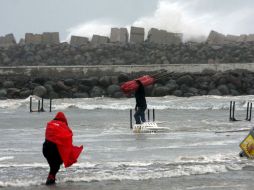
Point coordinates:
pixel 218 38
pixel 236 82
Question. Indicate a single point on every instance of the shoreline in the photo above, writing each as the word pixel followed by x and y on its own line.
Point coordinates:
pixel 234 180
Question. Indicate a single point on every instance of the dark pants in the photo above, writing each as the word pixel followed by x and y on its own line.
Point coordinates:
pixel 53 157
pixel 140 115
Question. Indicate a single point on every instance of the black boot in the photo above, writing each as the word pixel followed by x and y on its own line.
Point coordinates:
pixel 51 180
pixel 242 154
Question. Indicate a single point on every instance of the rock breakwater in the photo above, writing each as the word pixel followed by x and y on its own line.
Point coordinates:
pixel 125 54
pixel 237 82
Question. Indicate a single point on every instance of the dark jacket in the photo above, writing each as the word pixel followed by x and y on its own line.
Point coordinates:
pixel 140 96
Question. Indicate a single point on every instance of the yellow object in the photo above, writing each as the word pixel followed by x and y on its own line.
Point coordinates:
pixel 247 145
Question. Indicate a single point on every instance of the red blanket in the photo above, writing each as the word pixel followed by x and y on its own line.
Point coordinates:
pixel 58 132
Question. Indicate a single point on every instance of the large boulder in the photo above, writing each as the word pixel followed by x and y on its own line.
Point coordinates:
pixel 95 80
pixel 222 81
pixel 177 93
pixel 188 94
pixel 7 41
pixel 81 95
pixel 203 79
pixel 69 82
pixel 118 95
pixel 171 85
pixel 234 92
pixel 112 89
pixel 60 86
pixel 217 76
pixel 86 82
pixel 216 38
pixel 33 85
pixel 223 89
pixel 250 91
pixel 160 91
pixel 25 93
pixel 8 84
pixel 193 91
pixel 83 88
pixel 114 80
pixel 90 81
pixel 212 85
pixel 97 92
pixel 214 92
pixel 3 93
pixel 49 87
pixel 231 86
pixel 137 35
pixel 65 94
pixel 184 88
pixel 149 90
pixel 53 95
pixel 203 85
pixel 105 81
pixel 185 79
pixel 123 77
pixel 202 92
pixel 13 93
pixel 40 80
pixel 237 81
pixel 40 91
pixel 78 41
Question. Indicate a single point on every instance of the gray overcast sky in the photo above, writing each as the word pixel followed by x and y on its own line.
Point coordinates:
pixel 86 17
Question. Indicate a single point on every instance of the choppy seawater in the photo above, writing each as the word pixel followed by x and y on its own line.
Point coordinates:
pixel 200 151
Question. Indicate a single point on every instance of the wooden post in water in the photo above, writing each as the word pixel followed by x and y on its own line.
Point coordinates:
pixel 42 105
pixel 250 112
pixel 247 113
pixel 50 105
pixel 230 111
pixel 31 104
pixel 39 105
pixel 233 115
pixel 153 114
pixel 130 118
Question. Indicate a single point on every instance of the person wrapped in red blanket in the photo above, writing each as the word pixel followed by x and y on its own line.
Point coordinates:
pixel 58 148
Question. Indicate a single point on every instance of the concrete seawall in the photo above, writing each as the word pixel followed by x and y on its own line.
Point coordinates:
pixel 110 70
